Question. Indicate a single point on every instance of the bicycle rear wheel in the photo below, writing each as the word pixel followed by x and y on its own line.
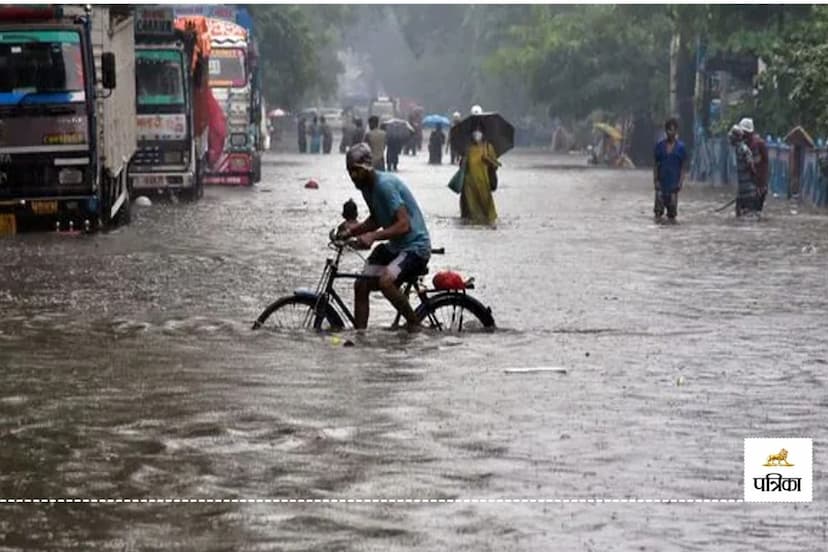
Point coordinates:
pixel 455 312
pixel 296 312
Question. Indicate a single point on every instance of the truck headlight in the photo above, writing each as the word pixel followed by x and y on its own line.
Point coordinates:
pixel 238 139
pixel 70 176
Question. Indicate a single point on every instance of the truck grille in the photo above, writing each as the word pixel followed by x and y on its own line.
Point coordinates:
pixel 36 178
pixel 148 156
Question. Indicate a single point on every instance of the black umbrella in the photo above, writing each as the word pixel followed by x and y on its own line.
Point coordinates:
pixel 397 128
pixel 496 130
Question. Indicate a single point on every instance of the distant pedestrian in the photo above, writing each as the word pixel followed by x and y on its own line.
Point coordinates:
pixel 327 135
pixel 316 136
pixel 455 153
pixel 747 198
pixel 348 129
pixel 359 132
pixel 669 172
pixel 395 146
pixel 435 146
pixel 415 142
pixel 376 138
pixel 301 135
pixel 759 149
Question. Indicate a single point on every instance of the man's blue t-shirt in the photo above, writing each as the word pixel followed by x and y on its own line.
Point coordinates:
pixel 388 194
pixel 669 165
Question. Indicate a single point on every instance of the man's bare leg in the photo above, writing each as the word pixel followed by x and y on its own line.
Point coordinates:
pixel 395 297
pixel 362 304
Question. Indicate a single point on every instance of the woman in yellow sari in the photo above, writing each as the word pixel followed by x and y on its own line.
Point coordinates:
pixel 476 201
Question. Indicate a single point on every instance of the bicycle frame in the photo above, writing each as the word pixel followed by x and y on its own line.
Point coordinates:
pixel 325 291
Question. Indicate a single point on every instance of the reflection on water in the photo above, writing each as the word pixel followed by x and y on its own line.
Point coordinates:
pixel 129 371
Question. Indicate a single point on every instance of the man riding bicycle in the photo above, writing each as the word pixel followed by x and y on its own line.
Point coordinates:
pixel 395 217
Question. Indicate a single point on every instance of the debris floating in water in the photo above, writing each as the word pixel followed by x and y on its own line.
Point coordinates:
pixel 809 249
pixel 312 184
pixel 143 201
pixel 680 381
pixel 536 370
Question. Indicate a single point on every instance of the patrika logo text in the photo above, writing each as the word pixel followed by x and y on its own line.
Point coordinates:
pixel 782 476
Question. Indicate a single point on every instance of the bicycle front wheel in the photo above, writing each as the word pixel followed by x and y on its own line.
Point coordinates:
pixel 296 312
pixel 455 312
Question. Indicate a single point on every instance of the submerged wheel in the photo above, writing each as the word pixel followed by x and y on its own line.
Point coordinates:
pixel 455 312
pixel 294 312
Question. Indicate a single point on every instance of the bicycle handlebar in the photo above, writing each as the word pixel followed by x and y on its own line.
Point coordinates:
pixel 354 243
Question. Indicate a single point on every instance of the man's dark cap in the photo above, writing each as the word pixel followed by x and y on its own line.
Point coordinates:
pixel 359 155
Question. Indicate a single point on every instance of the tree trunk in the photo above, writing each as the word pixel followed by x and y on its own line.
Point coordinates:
pixel 686 89
pixel 675 45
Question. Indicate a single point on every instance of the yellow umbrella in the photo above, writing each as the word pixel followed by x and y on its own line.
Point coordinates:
pixel 609 130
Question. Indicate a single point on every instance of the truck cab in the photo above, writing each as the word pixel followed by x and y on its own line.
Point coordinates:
pixel 384 108
pixel 64 140
pixel 231 80
pixel 168 159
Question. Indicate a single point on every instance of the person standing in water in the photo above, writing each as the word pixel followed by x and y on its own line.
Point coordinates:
pixel 327 135
pixel 669 171
pixel 476 200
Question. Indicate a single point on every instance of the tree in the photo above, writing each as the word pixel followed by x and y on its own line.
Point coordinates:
pixel 582 58
pixel 296 50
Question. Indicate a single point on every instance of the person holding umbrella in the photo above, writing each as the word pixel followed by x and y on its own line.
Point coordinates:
pixel 476 199
pixel 483 137
pixel 397 133
pixel 435 145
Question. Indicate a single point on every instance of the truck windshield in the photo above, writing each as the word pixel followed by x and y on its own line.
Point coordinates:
pixel 38 66
pixel 227 67
pixel 159 78
pixel 383 110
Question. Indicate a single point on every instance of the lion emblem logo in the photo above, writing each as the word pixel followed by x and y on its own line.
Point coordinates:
pixel 779 459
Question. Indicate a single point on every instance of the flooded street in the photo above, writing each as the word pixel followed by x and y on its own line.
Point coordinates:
pixel 130 371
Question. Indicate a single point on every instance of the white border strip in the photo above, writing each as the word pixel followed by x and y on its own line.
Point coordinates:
pixel 369 500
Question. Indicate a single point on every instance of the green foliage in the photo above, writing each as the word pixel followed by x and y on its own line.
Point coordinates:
pixel 295 44
pixel 794 89
pixel 571 59
pixel 582 58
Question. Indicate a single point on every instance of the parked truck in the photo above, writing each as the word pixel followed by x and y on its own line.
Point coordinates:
pixel 66 133
pixel 231 78
pixel 236 82
pixel 172 57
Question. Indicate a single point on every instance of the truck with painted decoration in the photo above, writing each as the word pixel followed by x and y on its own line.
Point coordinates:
pixel 171 61
pixel 67 115
pixel 231 78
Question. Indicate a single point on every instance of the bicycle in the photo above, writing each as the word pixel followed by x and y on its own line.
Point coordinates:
pixel 324 309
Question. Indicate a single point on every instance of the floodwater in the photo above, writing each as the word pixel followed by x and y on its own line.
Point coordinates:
pixel 129 371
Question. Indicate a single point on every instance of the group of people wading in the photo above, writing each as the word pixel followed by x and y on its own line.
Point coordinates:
pixel 671 163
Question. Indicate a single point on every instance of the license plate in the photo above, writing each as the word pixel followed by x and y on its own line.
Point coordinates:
pixel 8 225
pixel 44 207
pixel 149 181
